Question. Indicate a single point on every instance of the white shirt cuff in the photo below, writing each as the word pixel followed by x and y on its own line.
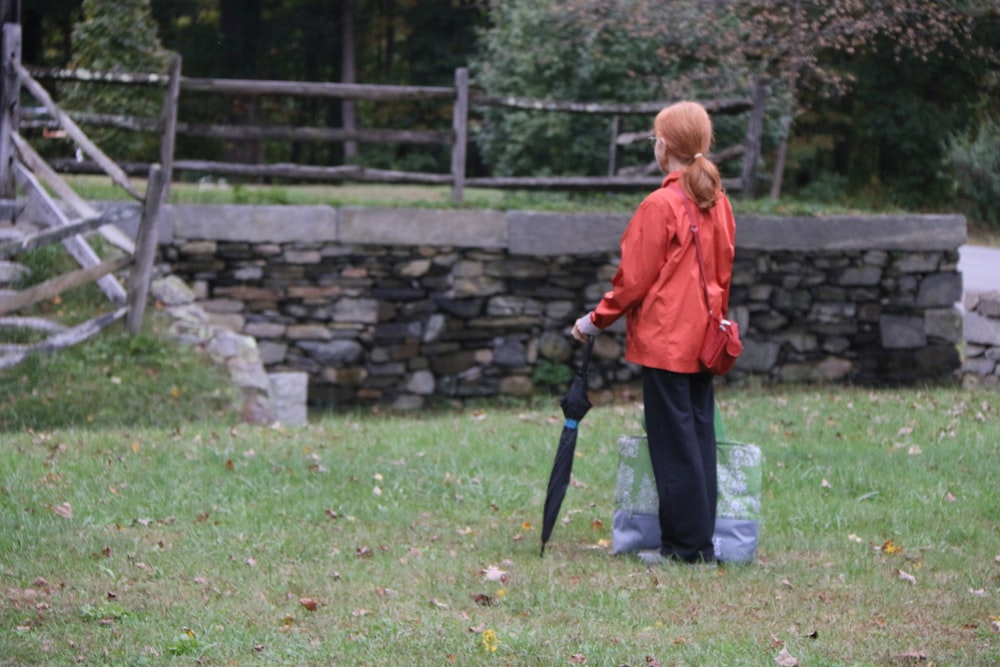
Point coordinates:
pixel 586 326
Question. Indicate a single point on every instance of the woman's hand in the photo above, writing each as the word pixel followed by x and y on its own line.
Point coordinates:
pixel 583 328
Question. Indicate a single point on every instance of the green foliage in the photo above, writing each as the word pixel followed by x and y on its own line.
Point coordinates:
pixel 553 376
pixel 118 36
pixel 976 165
pixel 540 50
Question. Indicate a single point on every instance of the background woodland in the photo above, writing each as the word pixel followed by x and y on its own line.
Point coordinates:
pixel 878 103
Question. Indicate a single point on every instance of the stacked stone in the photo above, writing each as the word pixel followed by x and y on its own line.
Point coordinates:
pixel 393 325
pixel 263 398
pixel 395 306
pixel 982 338
pixel 874 316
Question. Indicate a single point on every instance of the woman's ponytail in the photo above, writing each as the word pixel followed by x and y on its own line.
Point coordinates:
pixel 686 130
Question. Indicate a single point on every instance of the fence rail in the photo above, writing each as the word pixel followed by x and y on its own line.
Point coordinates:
pixel 64 218
pixel 462 95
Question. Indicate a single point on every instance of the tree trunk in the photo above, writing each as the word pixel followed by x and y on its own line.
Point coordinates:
pixel 791 99
pixel 348 74
pixel 239 21
pixel 779 168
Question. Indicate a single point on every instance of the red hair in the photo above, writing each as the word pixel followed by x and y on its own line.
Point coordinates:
pixel 686 131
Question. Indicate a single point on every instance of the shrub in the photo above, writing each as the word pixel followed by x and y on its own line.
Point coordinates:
pixel 976 166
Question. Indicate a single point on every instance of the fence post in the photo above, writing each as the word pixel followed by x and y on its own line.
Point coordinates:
pixel 169 124
pixel 145 249
pixel 10 112
pixel 613 148
pixel 755 127
pixel 460 125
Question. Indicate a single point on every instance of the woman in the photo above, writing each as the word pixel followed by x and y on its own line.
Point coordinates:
pixel 659 290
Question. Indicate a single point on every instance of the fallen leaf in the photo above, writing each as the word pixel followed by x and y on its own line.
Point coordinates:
pixel 597 523
pixel 911 655
pixel 477 629
pixel 979 592
pixel 825 484
pixel 482 599
pixel 890 548
pixel 577 659
pixel 909 578
pixel 437 603
pixel 64 511
pixel 786 659
pixel 308 603
pixel 493 573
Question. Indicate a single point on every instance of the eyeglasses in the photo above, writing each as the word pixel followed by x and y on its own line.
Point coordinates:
pixel 652 139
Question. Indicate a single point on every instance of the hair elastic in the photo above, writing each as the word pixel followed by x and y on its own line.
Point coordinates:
pixel 698 155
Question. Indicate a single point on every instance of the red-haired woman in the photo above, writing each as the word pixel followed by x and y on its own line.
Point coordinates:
pixel 658 289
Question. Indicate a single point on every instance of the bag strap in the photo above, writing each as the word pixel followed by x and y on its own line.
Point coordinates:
pixel 697 242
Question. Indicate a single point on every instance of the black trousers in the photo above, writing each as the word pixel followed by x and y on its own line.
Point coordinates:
pixel 680 427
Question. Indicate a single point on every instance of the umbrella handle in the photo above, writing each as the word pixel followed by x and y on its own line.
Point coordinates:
pixel 586 355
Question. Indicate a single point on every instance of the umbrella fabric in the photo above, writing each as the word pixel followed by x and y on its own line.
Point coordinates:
pixel 575 405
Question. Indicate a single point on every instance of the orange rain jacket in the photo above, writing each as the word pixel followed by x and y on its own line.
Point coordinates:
pixel 658 284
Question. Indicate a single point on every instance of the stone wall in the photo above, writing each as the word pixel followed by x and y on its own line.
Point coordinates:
pixel 395 306
pixel 982 338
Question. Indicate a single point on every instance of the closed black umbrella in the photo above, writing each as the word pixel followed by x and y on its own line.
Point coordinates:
pixel 574 406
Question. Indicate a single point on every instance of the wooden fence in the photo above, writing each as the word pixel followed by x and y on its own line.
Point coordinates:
pixel 462 97
pixel 66 221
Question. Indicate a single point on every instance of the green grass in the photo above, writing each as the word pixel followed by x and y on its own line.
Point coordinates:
pixel 202 543
pixel 430 196
pixel 114 380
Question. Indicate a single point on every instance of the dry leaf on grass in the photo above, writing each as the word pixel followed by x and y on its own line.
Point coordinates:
pixel 493 573
pixel 64 511
pixel 911 655
pixel 786 659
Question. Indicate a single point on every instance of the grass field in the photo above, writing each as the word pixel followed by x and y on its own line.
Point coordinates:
pixel 368 539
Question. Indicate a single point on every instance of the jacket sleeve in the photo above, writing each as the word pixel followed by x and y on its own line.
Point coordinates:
pixel 643 254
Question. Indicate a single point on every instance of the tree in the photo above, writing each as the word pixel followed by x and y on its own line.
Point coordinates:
pixel 564 51
pixel 808 52
pixel 117 36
